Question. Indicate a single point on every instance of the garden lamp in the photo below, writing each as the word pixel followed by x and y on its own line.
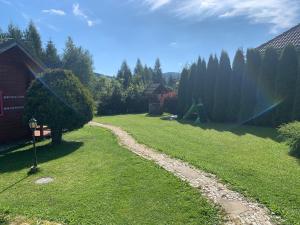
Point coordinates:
pixel 33 125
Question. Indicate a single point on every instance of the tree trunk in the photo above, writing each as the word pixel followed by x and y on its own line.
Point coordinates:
pixel 56 135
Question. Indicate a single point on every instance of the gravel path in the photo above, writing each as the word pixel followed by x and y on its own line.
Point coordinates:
pixel 239 210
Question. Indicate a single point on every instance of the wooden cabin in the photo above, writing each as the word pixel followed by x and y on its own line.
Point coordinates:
pixel 155 94
pixel 17 69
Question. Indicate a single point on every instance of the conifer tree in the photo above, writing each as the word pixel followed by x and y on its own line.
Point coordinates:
pixel 51 58
pixel 238 69
pixel 249 86
pixel 211 74
pixel 296 107
pixel 14 32
pixel 194 85
pixel 286 85
pixel 221 90
pixel 266 84
pixel 79 61
pixel 124 75
pixel 183 92
pixel 147 75
pixel 33 41
pixel 139 73
pixel 157 73
pixel 203 81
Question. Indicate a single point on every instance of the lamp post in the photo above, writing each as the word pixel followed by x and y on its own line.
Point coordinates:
pixel 33 125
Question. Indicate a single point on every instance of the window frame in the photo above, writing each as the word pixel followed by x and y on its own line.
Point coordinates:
pixel 1 104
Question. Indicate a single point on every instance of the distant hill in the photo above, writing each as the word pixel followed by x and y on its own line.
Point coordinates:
pixel 171 74
pixel 102 75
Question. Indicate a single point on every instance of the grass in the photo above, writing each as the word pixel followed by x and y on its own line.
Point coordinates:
pixel 249 158
pixel 97 182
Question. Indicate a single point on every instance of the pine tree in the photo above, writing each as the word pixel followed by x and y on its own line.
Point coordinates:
pixel 211 74
pixel 14 32
pixel 296 107
pixel 266 98
pixel 124 75
pixel 193 85
pixel 238 69
pixel 33 41
pixel 183 92
pixel 79 61
pixel 147 75
pixel 286 85
pixel 249 86
pixel 157 73
pixel 221 90
pixel 51 58
pixel 138 76
pixel 203 81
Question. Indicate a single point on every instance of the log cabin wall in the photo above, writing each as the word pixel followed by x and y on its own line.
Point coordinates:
pixel 14 81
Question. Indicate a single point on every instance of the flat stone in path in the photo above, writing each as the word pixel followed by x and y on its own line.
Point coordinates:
pixel 44 180
pixel 239 209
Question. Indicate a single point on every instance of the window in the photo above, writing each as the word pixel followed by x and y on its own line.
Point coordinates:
pixel 1 103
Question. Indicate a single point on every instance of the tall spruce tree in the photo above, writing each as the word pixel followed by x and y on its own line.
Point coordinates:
pixel 79 61
pixel 138 76
pixel 296 108
pixel 147 75
pixel 194 85
pixel 249 86
pixel 221 90
pixel 51 58
pixel 183 91
pixel 33 41
pixel 211 74
pixel 286 85
pixel 238 69
pixel 157 73
pixel 266 98
pixel 203 81
pixel 14 32
pixel 124 75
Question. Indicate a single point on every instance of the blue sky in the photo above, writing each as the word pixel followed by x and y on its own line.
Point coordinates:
pixel 176 31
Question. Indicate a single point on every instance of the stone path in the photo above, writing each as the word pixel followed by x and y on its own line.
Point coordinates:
pixel 239 210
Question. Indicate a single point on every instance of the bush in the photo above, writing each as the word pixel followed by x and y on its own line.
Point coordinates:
pixel 291 134
pixel 60 101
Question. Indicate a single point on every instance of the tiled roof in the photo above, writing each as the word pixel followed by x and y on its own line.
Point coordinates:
pixel 292 36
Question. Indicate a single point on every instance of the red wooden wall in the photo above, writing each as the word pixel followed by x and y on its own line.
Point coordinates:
pixel 14 81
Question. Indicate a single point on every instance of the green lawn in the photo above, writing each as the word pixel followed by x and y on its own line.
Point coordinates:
pixel 97 182
pixel 248 158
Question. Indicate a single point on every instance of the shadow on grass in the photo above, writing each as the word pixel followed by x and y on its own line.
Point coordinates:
pixel 17 160
pixel 237 129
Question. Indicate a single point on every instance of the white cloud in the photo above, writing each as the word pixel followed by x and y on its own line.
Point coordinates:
pixel 155 4
pixel 78 12
pixel 280 14
pixel 57 12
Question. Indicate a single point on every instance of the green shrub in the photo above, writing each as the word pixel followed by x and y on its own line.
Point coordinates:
pixel 60 101
pixel 291 134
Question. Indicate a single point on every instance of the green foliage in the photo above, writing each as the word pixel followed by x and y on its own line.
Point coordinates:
pixel 291 134
pixel 51 58
pixel 238 70
pixel 286 85
pixel 157 73
pixel 14 32
pixel 183 93
pixel 124 75
pixel 58 100
pixel 32 41
pixel 249 86
pixel 79 61
pixel 211 75
pixel 267 83
pixel 296 108
pixel 221 88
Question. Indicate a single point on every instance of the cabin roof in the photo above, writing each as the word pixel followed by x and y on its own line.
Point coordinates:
pixel 292 36
pixel 10 44
pixel 156 88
